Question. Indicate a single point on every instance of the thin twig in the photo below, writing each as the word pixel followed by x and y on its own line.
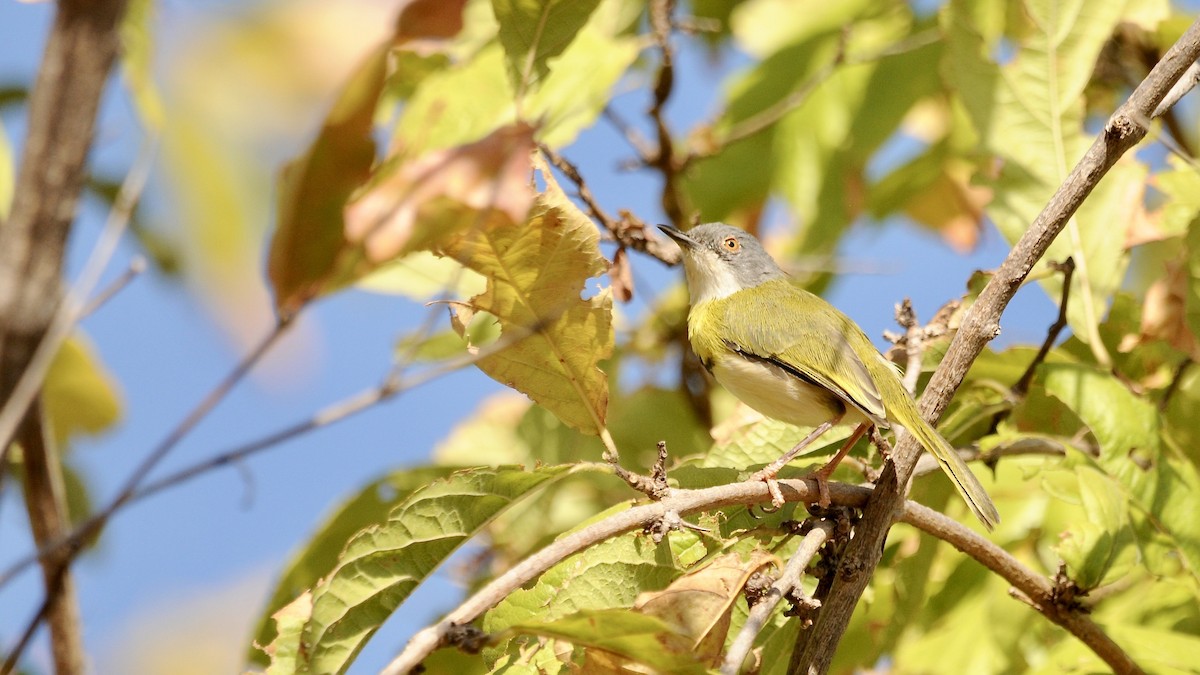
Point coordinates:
pixel 980 324
pixel 914 343
pixel 664 158
pixel 46 503
pixel 394 385
pixel 136 267
pixel 1182 86
pixel 782 588
pixel 1173 385
pixel 1037 588
pixel 682 502
pixel 1067 267
pixel 73 307
pixel 640 144
pixel 92 526
pixel 1035 445
pixel 628 230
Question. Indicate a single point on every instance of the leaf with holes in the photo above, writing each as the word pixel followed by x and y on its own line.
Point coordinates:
pixel 382 565
pixel 536 272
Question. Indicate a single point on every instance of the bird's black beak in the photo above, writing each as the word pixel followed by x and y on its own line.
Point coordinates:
pixel 685 242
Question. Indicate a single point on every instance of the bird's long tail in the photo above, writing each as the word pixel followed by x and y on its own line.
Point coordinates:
pixel 960 474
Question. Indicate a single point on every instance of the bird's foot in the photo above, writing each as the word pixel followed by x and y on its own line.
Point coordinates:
pixel 821 478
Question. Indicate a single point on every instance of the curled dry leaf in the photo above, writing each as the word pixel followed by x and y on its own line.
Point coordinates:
pixel 1164 313
pixel 700 603
pixel 416 203
pixel 620 273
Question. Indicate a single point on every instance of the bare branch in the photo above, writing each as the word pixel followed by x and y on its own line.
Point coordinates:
pixel 783 587
pixel 1067 267
pixel 979 326
pixel 664 158
pixel 682 502
pixel 1041 594
pixel 1181 87
pixel 628 230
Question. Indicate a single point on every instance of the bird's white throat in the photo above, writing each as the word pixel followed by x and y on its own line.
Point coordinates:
pixel 709 278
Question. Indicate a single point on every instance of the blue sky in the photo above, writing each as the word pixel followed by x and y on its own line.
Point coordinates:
pixel 217 540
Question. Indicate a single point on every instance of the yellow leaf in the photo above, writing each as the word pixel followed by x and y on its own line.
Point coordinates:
pixel 79 395
pixel 536 273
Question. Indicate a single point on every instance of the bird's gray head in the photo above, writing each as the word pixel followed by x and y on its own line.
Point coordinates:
pixel 720 260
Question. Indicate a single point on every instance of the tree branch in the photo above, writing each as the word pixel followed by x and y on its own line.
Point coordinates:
pixel 1036 588
pixel 79 53
pixel 783 586
pixel 979 326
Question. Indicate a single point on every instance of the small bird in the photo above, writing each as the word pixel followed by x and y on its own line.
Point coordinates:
pixel 792 356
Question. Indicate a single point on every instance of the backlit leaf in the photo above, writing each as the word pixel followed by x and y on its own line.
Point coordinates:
pixel 1029 111
pixel 536 272
pixel 382 564
pixel 620 633
pixel 1153 477
pixel 79 395
pixel 319 554
pixel 405 208
pixel 700 601
pixel 308 241
pixel 535 31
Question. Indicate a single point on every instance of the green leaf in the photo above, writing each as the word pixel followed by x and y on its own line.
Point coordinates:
pixel 285 654
pixel 319 554
pixel 309 245
pixel 623 633
pixel 608 575
pixel 422 276
pixel 383 564
pixel 80 396
pixel 1192 298
pixel 536 272
pixel 1100 548
pixel 765 440
pixel 476 90
pixel 580 84
pixel 535 31
pixel 1030 113
pixel 1162 485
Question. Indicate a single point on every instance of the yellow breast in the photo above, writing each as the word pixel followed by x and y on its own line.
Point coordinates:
pixel 776 393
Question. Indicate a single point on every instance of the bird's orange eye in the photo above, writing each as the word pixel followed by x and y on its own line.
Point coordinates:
pixel 731 244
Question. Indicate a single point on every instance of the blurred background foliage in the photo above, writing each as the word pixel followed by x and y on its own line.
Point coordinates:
pixel 405 134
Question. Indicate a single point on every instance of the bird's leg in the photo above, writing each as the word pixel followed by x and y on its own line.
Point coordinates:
pixel 768 472
pixel 822 474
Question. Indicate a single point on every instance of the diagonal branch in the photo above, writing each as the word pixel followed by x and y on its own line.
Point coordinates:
pixel 981 323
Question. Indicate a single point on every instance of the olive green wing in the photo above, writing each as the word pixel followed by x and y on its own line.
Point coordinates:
pixel 809 338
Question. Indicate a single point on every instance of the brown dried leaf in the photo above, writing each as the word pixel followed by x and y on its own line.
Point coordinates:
pixel 430 19
pixel 415 204
pixel 1164 313
pixel 699 603
pixel 953 207
pixel 620 272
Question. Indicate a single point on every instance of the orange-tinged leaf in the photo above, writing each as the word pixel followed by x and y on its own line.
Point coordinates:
pixel 313 190
pixel 1164 313
pixel 405 209
pixel 699 603
pixel 431 19
pixel 536 273
pixel 620 273
pixel 953 207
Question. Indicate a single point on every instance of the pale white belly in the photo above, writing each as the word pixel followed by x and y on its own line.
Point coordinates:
pixel 777 393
